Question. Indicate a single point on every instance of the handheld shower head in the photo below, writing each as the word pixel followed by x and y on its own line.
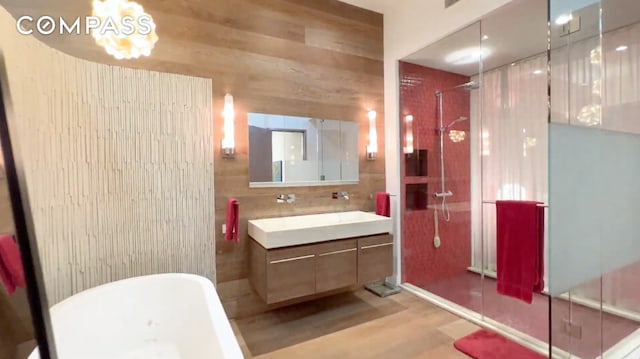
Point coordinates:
pixel 459 119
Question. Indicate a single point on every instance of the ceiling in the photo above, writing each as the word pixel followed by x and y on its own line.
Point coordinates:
pixel 517 31
pixel 513 32
pixel 379 6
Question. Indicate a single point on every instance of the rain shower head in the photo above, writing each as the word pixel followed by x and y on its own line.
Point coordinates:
pixel 467 86
pixel 471 85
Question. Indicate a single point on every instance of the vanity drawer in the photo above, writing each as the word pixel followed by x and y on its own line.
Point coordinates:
pixel 290 252
pixel 375 258
pixel 336 264
pixel 290 273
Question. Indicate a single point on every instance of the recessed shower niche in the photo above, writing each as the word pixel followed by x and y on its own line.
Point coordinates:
pixel 416 163
pixel 417 197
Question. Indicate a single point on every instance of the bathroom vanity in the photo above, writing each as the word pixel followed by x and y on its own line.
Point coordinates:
pixel 302 256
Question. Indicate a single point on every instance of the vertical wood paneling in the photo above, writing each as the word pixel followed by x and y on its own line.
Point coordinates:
pixel 119 166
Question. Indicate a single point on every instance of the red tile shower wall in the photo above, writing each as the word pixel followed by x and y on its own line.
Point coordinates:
pixel 422 262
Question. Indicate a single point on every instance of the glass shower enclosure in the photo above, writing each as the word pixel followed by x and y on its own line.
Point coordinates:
pixel 594 145
pixel 537 102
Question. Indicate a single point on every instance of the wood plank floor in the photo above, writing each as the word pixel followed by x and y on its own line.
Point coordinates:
pixel 354 325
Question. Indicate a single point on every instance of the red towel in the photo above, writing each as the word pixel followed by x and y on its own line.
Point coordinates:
pixel 11 270
pixel 233 212
pixel 520 248
pixel 383 204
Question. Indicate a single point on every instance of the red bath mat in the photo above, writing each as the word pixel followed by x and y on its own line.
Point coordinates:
pixel 484 344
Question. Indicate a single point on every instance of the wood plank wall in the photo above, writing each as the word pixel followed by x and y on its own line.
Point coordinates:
pixel 319 58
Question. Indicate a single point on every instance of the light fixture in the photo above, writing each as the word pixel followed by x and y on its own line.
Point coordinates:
pixel 408 135
pixel 595 56
pixel 467 55
pixel 228 142
pixel 485 37
pixel 537 72
pixel 596 88
pixel 485 143
pixel 530 141
pixel 372 147
pixel 122 39
pixel 457 136
pixel 589 115
pixel 564 19
pixel 622 48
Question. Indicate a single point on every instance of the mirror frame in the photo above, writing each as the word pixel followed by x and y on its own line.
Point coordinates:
pixel 23 222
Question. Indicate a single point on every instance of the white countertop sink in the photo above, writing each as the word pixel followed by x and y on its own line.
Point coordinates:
pixel 292 231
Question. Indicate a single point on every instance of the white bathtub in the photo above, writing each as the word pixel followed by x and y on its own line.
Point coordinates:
pixel 168 316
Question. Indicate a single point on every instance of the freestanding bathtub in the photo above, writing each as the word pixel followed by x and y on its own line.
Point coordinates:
pixel 167 316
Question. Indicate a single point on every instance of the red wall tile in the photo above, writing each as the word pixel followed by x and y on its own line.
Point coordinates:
pixel 422 262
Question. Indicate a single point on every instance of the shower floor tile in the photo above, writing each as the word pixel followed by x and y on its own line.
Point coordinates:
pixel 466 289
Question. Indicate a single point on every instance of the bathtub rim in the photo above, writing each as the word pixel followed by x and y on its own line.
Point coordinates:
pixel 225 337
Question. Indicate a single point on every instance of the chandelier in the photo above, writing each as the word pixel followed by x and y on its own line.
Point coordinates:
pixel 125 31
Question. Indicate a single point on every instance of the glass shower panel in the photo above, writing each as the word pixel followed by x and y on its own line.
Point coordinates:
pixel 594 148
pixel 574 260
pixel 512 149
pixel 437 132
pixel 620 108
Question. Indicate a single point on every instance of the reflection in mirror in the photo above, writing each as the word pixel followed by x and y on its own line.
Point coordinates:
pixel 23 305
pixel 17 338
pixel 290 151
pixel 17 333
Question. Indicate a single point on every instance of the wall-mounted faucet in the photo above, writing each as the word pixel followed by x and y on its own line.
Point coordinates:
pixel 343 194
pixel 289 198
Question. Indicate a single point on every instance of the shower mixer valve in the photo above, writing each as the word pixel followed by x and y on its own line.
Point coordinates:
pixel 443 194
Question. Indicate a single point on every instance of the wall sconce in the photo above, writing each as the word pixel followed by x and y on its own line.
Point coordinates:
pixel 228 142
pixel 408 135
pixel 372 147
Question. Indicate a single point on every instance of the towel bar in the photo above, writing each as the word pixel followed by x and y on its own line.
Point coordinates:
pixel 372 195
pixel 494 202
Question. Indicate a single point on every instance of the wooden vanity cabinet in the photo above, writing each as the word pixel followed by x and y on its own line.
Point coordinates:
pixel 283 274
pixel 375 258
pixel 336 265
pixel 291 273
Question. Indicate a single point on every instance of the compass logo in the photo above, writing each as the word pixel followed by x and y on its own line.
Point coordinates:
pixel 124 26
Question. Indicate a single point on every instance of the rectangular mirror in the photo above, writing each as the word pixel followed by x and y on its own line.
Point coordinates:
pixel 301 151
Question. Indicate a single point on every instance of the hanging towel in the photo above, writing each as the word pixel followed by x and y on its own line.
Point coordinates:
pixel 11 270
pixel 233 213
pixel 383 204
pixel 520 248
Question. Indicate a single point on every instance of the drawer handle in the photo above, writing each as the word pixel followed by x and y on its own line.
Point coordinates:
pixel 338 252
pixel 292 259
pixel 377 245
